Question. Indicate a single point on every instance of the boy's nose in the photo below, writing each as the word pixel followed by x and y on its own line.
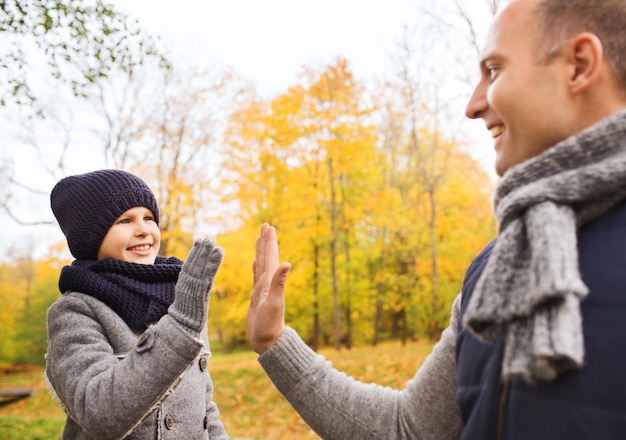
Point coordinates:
pixel 142 230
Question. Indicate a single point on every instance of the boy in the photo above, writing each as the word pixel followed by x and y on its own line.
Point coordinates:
pixel 127 341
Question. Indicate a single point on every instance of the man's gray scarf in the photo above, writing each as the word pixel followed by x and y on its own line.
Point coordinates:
pixel 531 288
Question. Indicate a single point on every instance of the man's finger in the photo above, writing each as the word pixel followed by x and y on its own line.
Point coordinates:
pixel 269 250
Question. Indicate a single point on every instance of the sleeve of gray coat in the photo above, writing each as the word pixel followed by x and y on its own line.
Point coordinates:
pixel 109 395
pixel 337 407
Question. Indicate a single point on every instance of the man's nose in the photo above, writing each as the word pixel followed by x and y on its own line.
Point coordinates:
pixel 477 104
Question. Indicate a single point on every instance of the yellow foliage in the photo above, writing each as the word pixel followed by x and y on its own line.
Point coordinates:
pixel 358 217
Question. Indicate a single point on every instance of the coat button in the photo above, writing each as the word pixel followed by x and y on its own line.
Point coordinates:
pixel 169 421
pixel 144 342
pixel 206 422
pixel 203 363
pixel 143 338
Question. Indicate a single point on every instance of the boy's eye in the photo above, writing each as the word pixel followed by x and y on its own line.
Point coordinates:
pixel 124 220
pixel 148 219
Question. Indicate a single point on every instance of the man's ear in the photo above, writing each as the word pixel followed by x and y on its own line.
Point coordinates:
pixel 586 55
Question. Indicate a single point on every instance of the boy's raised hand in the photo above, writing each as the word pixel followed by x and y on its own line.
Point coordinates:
pixel 266 313
pixel 191 304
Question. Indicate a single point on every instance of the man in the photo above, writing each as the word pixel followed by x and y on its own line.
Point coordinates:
pixel 535 345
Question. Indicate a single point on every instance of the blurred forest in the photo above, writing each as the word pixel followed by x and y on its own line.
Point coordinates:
pixel 378 203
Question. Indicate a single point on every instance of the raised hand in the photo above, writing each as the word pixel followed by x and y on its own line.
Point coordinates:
pixel 266 313
pixel 191 304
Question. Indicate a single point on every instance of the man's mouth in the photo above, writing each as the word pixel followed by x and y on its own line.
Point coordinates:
pixel 496 131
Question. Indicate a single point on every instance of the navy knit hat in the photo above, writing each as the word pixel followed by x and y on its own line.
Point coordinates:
pixel 87 205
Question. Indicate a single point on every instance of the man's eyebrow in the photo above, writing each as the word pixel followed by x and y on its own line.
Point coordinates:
pixel 482 64
pixel 486 59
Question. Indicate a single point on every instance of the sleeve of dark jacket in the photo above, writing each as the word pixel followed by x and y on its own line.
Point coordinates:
pixel 338 407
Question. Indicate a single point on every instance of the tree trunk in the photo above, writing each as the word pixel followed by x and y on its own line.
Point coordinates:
pixel 379 304
pixel 316 308
pixel 433 252
pixel 333 255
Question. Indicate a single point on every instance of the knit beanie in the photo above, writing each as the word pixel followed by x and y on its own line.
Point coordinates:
pixel 87 205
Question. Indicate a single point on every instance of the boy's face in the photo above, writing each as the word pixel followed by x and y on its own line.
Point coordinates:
pixel 134 237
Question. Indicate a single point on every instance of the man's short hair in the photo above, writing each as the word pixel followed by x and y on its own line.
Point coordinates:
pixel 560 20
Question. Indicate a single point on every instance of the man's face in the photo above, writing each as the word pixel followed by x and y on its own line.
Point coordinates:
pixel 134 238
pixel 524 104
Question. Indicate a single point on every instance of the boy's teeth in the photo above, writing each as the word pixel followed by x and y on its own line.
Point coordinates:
pixel 497 131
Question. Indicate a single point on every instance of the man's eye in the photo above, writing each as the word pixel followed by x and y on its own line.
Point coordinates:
pixel 491 72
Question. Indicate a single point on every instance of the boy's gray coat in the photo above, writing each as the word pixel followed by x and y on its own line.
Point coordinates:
pixel 104 373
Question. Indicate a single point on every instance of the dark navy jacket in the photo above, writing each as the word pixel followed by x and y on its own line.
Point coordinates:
pixel 587 404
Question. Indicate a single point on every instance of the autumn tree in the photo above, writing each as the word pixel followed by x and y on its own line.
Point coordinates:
pixel 345 136
pixel 354 201
pixel 420 126
pixel 300 162
pixel 175 148
pixel 81 41
pixel 430 216
pixel 28 287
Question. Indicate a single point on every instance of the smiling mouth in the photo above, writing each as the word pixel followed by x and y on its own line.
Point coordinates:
pixel 497 131
pixel 141 248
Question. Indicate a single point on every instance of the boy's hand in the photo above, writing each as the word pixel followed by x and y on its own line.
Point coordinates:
pixel 191 305
pixel 203 261
pixel 266 313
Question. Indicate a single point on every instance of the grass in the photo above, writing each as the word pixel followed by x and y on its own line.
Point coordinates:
pixel 251 407
pixel 27 428
pixel 33 418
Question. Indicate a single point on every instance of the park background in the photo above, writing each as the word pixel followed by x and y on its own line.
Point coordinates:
pixel 341 123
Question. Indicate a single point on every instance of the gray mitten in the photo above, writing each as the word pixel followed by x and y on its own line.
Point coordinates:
pixel 191 304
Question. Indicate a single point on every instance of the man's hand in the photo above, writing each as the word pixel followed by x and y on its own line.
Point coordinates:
pixel 266 313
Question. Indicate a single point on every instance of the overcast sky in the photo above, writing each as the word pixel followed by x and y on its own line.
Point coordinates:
pixel 269 40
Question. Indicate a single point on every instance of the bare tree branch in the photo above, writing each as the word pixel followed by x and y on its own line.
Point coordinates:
pixel 21 222
pixel 470 26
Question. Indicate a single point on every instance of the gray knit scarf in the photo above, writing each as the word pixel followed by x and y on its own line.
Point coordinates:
pixel 531 288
